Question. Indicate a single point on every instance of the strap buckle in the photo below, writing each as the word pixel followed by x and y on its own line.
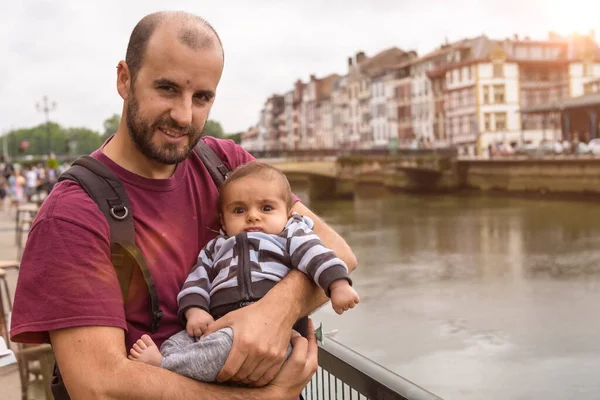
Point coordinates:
pixel 156 317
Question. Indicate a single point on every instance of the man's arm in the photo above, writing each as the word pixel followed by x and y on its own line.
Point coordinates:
pixel 306 296
pixel 262 330
pixel 94 365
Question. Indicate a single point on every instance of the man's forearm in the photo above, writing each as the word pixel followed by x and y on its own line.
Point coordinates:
pixel 93 365
pixel 297 295
pixel 136 380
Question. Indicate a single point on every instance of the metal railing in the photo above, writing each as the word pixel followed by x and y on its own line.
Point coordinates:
pixel 345 374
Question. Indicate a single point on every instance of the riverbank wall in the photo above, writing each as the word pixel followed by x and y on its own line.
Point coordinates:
pixel 577 178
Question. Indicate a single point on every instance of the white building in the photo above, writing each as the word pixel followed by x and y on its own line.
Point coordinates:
pixel 249 140
pixel 341 115
pixel 380 126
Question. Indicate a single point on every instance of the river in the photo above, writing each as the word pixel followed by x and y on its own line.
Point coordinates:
pixel 474 297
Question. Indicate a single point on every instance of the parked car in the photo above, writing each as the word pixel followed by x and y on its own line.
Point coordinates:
pixel 527 149
pixel 594 146
pixel 550 147
pixel 583 148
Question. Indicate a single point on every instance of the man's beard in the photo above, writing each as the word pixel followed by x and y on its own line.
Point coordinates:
pixel 141 132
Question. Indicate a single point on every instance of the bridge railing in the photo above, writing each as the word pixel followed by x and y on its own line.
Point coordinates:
pixel 345 374
pixel 316 154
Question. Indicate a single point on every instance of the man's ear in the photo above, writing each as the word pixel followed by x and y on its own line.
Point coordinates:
pixel 123 80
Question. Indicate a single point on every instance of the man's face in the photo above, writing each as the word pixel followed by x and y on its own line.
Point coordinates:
pixel 169 102
pixel 254 204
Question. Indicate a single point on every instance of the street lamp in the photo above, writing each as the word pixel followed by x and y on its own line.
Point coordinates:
pixel 45 106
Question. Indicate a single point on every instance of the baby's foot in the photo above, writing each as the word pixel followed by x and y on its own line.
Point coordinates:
pixel 145 350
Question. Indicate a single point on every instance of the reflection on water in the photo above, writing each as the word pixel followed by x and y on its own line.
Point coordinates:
pixel 474 297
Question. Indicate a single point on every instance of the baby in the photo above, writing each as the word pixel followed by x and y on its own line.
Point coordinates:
pixel 260 241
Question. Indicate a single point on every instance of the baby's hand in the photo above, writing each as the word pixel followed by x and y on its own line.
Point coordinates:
pixel 197 321
pixel 343 297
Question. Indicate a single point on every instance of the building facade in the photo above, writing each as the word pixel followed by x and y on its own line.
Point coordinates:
pixel 471 94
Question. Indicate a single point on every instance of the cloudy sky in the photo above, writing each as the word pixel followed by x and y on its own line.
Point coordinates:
pixel 68 49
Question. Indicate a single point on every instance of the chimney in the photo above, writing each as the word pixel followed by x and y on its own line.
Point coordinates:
pixel 516 36
pixel 313 78
pixel 349 61
pixel 360 57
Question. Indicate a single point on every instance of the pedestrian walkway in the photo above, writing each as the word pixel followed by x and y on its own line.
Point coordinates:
pixel 10 384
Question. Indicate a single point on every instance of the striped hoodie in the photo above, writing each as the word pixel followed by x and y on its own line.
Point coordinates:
pixel 244 267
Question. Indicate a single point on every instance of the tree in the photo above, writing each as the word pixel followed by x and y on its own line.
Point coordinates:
pixel 236 137
pixel 83 140
pixel 213 128
pixel 110 126
pixel 62 139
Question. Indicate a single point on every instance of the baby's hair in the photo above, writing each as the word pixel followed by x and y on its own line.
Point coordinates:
pixel 259 168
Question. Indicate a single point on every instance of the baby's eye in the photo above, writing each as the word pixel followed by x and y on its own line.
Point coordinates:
pixel 238 210
pixel 267 208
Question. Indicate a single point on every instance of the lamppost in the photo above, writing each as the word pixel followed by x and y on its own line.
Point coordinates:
pixel 45 106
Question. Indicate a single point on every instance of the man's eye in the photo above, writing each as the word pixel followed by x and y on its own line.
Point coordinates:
pixel 167 89
pixel 202 97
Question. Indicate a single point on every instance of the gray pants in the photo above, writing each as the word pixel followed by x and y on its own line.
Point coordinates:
pixel 200 360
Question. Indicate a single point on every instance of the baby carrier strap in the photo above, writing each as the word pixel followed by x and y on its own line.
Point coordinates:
pixel 105 188
pixel 101 184
pixel 215 166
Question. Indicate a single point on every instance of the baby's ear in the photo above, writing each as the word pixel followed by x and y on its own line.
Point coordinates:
pixel 222 222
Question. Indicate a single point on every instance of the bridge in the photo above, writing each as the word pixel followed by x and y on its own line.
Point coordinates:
pixel 333 176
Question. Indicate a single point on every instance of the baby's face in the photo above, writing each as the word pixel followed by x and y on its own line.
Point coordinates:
pixel 253 204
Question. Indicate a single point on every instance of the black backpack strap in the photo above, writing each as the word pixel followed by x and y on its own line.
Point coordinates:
pixel 216 168
pixel 101 184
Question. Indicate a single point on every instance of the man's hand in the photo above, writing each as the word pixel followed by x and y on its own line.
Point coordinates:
pixel 343 296
pixel 197 321
pixel 299 368
pixel 261 333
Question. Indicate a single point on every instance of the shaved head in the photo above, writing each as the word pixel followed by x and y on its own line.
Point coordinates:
pixel 192 31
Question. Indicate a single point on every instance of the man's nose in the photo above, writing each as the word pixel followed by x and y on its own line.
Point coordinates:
pixel 182 111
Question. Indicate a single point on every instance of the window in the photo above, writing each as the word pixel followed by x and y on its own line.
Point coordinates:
pixel 498 70
pixel 486 94
pixel 499 94
pixel 500 121
pixel 588 69
pixel 460 74
pixel 487 124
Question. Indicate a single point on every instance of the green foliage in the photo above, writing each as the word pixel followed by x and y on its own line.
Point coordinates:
pixel 40 141
pixel 110 126
pixel 76 140
pixel 213 128
pixel 52 163
pixel 236 137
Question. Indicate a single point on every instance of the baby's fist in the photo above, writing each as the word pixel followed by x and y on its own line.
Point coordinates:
pixel 343 296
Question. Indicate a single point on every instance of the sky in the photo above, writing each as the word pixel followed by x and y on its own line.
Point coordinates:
pixel 68 50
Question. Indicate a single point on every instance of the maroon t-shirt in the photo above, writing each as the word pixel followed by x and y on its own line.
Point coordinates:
pixel 66 277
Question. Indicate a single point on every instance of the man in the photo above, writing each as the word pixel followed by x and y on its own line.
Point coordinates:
pixel 67 291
